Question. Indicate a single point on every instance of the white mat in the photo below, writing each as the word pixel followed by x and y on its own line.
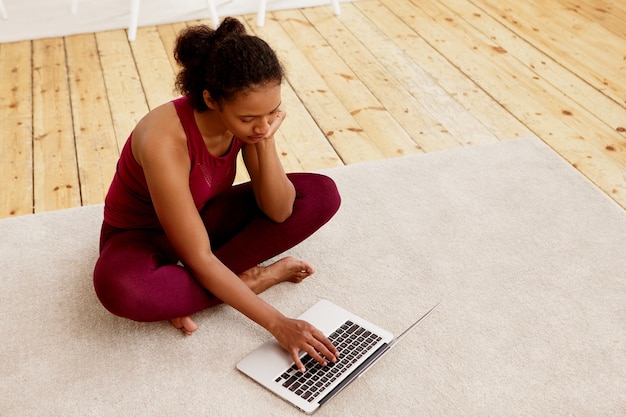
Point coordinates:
pixel 527 254
pixel 35 19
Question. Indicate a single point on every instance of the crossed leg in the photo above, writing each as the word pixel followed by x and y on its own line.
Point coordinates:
pixel 137 276
pixel 260 278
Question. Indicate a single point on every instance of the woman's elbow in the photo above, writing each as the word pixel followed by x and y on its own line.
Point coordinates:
pixel 281 215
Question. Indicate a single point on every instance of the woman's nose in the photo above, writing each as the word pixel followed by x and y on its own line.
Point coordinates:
pixel 262 126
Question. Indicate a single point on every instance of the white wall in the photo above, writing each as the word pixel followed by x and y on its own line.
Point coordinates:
pixel 32 19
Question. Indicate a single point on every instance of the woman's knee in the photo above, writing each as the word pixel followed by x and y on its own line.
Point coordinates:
pixel 112 296
pixel 320 190
pixel 122 281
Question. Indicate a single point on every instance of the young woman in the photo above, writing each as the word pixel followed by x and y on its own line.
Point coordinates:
pixel 177 236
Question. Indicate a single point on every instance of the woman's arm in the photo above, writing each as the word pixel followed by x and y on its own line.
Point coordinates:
pixel 164 157
pixel 274 192
pixel 162 153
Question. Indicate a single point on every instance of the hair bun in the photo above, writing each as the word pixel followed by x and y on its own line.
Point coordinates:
pixel 192 42
pixel 226 61
pixel 230 27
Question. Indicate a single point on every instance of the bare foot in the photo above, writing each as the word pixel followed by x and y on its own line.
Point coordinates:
pixel 185 324
pixel 260 278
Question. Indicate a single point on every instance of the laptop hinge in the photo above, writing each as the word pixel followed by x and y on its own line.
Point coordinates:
pixel 360 370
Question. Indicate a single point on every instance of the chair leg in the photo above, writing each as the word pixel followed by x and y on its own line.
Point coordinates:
pixel 336 7
pixel 74 9
pixel 260 16
pixel 3 11
pixel 215 20
pixel 134 20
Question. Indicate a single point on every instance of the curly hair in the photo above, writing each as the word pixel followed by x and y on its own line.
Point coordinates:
pixel 225 61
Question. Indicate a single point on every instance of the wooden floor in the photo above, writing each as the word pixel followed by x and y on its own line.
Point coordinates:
pixel 384 79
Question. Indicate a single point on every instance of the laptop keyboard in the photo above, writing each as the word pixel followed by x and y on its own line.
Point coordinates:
pixel 352 341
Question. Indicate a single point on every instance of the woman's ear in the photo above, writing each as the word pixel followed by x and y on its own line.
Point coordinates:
pixel 208 100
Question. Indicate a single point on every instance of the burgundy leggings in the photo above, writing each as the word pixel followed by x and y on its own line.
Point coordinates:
pixel 137 275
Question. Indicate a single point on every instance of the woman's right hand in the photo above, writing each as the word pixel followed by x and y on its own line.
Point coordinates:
pixel 278 117
pixel 298 335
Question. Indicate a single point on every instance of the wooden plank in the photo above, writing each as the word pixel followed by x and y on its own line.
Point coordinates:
pixel 583 46
pixel 503 76
pixel 557 101
pixel 360 65
pixel 560 104
pixel 288 158
pixel 303 137
pixel 448 76
pixel 55 171
pixel 242 174
pixel 603 13
pixel 570 84
pixel 508 82
pixel 96 146
pixel 168 34
pixel 16 129
pixel 155 71
pixel 612 7
pixel 388 135
pixel 127 101
pixel 344 133
pixel 405 75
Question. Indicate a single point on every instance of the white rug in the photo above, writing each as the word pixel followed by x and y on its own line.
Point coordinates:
pixel 527 254
pixel 35 19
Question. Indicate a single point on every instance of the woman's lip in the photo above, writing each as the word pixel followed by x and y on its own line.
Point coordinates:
pixel 255 138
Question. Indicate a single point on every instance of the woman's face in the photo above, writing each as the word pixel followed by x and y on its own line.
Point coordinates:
pixel 250 115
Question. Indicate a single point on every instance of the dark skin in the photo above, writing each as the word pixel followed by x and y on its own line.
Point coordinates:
pixel 160 147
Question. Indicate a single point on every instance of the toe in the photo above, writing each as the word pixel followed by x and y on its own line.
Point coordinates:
pixel 188 325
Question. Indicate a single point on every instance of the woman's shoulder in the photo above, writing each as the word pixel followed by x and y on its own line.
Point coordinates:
pixel 159 128
pixel 161 115
pixel 162 121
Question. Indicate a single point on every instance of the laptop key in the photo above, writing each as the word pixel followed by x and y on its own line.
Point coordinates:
pixel 290 381
pixel 352 341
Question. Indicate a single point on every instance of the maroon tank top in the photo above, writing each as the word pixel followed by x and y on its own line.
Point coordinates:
pixel 128 204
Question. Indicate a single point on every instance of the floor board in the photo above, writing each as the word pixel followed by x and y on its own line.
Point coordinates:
pixel 385 78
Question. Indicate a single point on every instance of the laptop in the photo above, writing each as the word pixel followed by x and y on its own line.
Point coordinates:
pixel 360 344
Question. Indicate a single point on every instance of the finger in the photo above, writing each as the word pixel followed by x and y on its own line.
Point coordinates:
pixel 326 347
pixel 272 130
pixel 316 355
pixel 295 354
